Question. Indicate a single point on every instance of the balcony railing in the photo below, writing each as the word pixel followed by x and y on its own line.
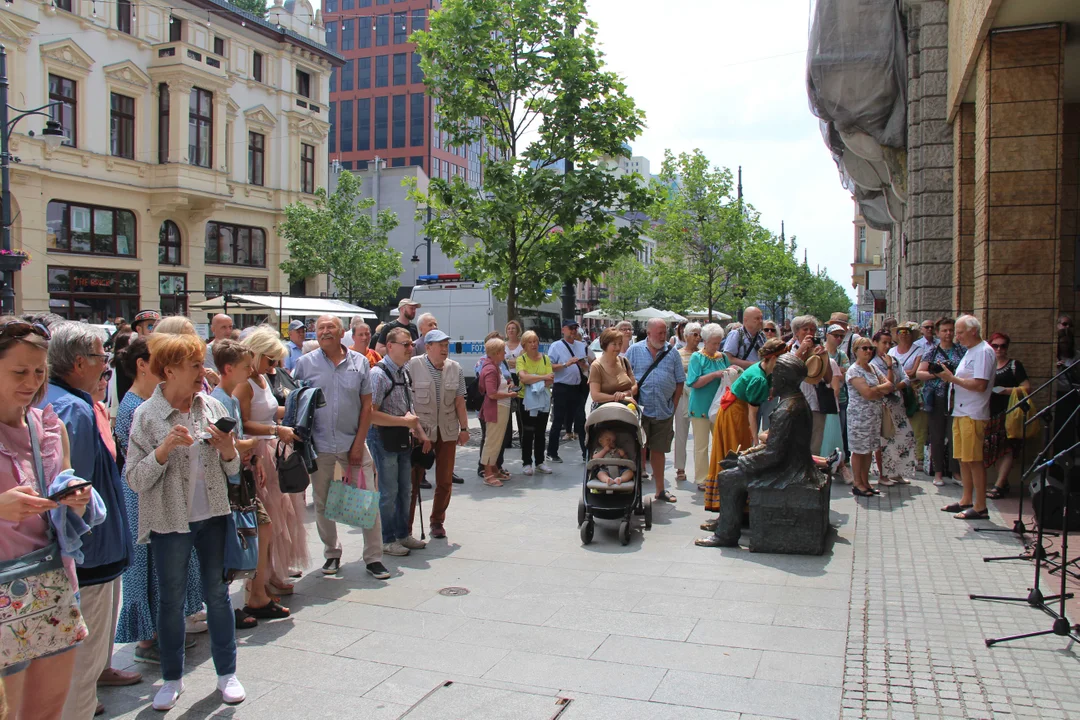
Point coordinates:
pixel 180 53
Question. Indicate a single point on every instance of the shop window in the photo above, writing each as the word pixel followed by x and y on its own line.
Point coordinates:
pixel 171 288
pixel 235 245
pixel 78 228
pixel 93 295
pixel 217 284
pixel 169 243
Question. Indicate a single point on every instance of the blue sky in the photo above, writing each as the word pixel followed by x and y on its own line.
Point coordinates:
pixel 728 77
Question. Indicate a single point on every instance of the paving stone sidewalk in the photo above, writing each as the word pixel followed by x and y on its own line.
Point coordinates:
pixel 881 626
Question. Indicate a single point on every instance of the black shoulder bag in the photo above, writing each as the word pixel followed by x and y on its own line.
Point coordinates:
pixel 648 371
pixel 396 439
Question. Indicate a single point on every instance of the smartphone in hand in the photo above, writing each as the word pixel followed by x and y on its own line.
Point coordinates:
pixel 71 489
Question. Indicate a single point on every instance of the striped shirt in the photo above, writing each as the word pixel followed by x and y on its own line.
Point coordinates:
pixel 391 397
pixel 436 375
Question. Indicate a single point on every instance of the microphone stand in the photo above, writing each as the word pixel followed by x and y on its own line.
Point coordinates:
pixel 1035 597
pixel 1024 403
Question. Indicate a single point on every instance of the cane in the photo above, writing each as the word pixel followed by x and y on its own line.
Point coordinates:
pixel 420 510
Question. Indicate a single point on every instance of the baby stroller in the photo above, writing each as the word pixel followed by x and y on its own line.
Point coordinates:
pixel 611 502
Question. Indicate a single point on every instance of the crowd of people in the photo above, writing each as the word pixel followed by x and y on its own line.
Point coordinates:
pixel 127 439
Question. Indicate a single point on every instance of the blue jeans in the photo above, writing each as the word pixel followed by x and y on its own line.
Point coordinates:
pixel 171 552
pixel 395 488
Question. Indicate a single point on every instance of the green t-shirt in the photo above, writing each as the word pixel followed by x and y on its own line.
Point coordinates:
pixel 701 398
pixel 752 386
pixel 540 366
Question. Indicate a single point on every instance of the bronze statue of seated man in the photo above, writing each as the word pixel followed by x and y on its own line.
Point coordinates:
pixel 784 461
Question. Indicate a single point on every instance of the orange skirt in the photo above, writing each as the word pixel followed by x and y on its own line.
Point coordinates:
pixel 731 432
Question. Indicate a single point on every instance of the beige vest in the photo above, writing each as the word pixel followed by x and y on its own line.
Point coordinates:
pixel 436 412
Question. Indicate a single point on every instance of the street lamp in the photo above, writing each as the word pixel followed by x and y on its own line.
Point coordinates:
pixel 53 134
pixel 415 259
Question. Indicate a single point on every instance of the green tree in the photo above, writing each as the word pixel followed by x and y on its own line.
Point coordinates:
pixel 255 7
pixel 704 231
pixel 819 295
pixel 527 79
pixel 338 237
pixel 629 287
pixel 775 272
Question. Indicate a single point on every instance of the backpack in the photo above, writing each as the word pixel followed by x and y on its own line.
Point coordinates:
pixel 474 394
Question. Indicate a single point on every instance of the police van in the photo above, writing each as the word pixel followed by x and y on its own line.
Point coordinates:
pixel 467 312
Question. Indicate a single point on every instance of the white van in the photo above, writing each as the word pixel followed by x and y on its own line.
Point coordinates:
pixel 467 312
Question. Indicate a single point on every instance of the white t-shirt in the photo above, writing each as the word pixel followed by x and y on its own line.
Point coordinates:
pixel 979 363
pixel 907 359
pixel 198 500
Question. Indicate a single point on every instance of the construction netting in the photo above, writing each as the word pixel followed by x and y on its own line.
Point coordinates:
pixel 856 76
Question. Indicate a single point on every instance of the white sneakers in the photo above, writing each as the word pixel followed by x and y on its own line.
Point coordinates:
pixel 528 470
pixel 412 543
pixel 542 467
pixel 166 697
pixel 232 691
pixel 395 548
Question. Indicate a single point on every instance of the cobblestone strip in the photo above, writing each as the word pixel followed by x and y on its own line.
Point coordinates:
pixel 915 646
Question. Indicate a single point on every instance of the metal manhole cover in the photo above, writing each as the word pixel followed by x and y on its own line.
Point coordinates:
pixel 454 591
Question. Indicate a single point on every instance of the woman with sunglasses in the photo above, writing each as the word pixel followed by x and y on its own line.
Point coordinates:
pixel 262 414
pixel 769 330
pixel 38 686
pixel 866 388
pixel 896 451
pixel 690 333
pixel 1010 375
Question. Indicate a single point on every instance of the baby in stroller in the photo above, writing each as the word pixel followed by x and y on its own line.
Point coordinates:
pixel 608 448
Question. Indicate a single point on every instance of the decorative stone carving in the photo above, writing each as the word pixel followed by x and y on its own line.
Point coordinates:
pixel 68 53
pixel 127 73
pixel 261 117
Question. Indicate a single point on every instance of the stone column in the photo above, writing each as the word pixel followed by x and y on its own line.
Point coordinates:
pixel 1070 202
pixel 179 109
pixel 1018 162
pixel 927 257
pixel 964 210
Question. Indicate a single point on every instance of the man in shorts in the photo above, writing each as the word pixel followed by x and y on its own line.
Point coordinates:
pixel 659 372
pixel 974 383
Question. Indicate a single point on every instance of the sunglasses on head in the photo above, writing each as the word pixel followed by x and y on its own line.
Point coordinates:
pixel 21 328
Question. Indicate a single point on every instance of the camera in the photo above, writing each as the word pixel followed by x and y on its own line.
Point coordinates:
pixel 934 367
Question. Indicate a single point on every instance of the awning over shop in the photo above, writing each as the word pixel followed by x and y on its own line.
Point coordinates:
pixel 285 306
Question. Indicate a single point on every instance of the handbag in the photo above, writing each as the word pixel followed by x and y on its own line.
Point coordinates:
pixel 241 545
pixel 350 502
pixel 1014 421
pixel 911 401
pixel 292 473
pixel 731 373
pixel 826 399
pixel 39 613
pixel 888 427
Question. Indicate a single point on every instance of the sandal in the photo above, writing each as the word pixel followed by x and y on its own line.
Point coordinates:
pixel 270 611
pixel 503 475
pixel 939 483
pixel 973 514
pixel 859 492
pixel 243 620
pixel 710 525
pixel 667 497
pixel 956 507
pixel 997 492
pixel 273 588
pixel 680 475
pixel 493 481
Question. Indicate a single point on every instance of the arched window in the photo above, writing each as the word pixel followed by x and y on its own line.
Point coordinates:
pixel 169 244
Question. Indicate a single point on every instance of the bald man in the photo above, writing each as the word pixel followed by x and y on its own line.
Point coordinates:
pixel 221 327
pixel 742 346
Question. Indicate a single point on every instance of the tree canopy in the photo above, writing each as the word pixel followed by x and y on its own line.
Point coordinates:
pixel 525 81
pixel 338 238
pixel 255 7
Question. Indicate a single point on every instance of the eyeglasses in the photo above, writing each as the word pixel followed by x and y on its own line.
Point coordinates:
pixel 107 375
pixel 868 347
pixel 408 344
pixel 105 357
pixel 999 346
pixel 21 328
pixel 769 330
pixel 927 327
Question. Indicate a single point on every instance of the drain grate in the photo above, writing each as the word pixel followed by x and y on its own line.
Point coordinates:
pixel 454 591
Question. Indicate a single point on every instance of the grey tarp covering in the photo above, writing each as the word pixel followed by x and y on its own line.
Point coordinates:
pixel 856 76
